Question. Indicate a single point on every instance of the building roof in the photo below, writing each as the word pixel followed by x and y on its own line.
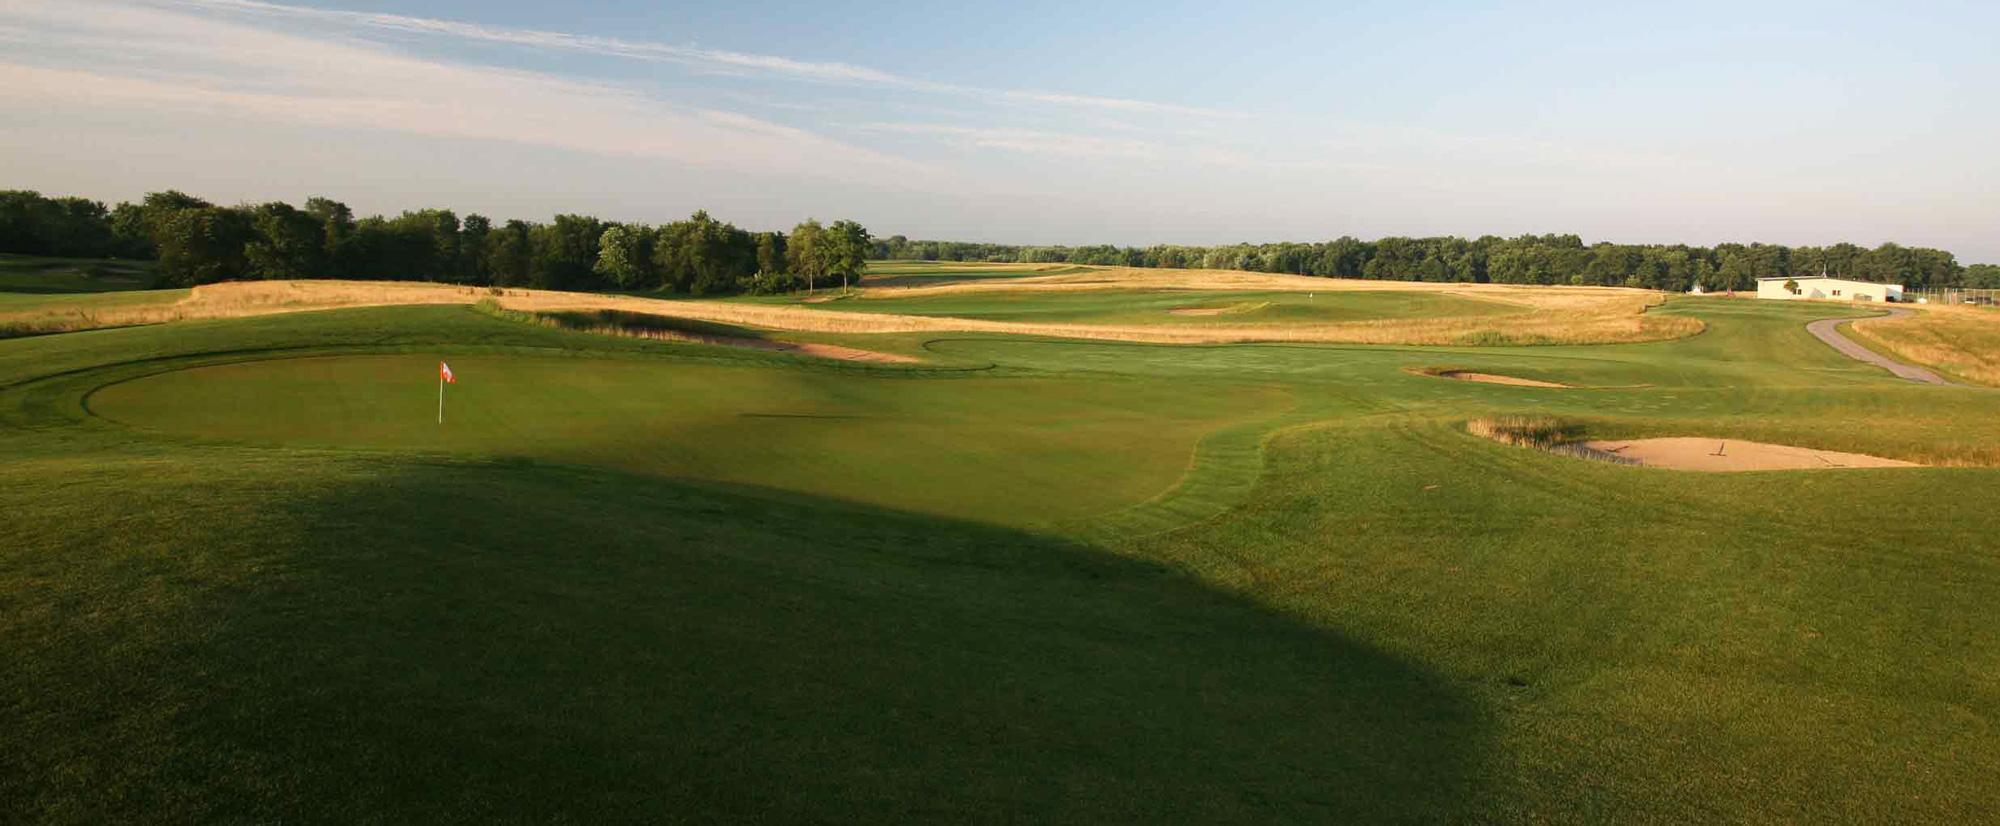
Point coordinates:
pixel 1827 278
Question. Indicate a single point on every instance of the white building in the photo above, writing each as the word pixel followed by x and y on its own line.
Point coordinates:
pixel 1826 288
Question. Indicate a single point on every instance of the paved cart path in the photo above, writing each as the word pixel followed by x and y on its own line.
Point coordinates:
pixel 1828 330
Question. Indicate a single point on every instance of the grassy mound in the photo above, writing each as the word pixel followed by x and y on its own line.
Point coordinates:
pixel 244 576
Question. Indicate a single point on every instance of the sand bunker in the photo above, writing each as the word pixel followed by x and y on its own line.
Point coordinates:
pixel 1229 310
pixel 803 348
pixel 1719 455
pixel 1493 378
pixel 832 351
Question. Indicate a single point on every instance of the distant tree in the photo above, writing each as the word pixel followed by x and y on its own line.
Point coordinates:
pixel 160 208
pixel 770 252
pixel 805 251
pixel 284 243
pixel 473 237
pixel 129 237
pixel 846 251
pixel 624 256
pixel 1983 276
pixel 563 253
pixel 336 226
pixel 202 245
pixel 510 253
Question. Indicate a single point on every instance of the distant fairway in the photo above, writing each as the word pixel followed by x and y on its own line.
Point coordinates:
pixel 38 294
pixel 246 577
pixel 1185 306
pixel 933 273
pixel 69 276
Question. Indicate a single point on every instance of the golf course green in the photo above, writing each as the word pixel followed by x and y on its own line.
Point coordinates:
pixel 247 576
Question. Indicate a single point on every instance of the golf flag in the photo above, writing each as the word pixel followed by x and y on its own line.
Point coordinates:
pixel 444 377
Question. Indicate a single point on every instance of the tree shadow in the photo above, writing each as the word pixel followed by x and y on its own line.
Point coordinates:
pixel 425 642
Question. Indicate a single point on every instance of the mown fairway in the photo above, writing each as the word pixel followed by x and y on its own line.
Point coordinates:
pixel 1183 306
pixel 245 576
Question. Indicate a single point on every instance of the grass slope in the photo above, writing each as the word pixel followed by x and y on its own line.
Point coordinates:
pixel 248 595
pixel 1159 306
pixel 1963 342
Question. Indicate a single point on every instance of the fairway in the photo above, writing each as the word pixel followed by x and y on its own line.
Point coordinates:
pixel 1183 306
pixel 610 412
pixel 1025 578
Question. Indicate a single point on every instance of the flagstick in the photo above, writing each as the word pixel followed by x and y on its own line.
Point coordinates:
pixel 440 397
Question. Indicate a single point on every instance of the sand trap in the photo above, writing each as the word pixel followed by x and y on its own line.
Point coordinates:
pixel 803 348
pixel 835 351
pixel 1229 310
pixel 825 351
pixel 1699 453
pixel 1489 378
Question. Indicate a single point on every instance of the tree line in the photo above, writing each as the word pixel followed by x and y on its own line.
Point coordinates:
pixel 1526 259
pixel 198 242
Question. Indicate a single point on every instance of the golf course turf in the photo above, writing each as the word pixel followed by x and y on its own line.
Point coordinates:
pixel 245 576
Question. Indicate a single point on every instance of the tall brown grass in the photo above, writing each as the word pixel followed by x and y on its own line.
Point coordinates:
pixel 1962 341
pixel 1544 433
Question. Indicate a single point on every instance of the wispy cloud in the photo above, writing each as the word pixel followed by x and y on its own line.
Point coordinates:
pixel 239 70
pixel 1027 140
pixel 708 59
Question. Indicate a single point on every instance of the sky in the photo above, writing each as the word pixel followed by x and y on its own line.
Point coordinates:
pixel 1039 123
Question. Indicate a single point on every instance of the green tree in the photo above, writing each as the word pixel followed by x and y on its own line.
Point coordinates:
pixel 770 252
pixel 202 245
pixel 473 237
pixel 336 226
pixel 804 251
pixel 846 251
pixel 284 243
pixel 509 254
pixel 624 254
pixel 129 238
pixel 563 253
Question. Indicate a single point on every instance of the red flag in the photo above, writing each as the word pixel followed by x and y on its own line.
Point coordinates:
pixel 444 372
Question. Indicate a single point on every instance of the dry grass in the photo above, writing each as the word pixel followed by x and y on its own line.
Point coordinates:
pixel 1544 433
pixel 1550 315
pixel 1962 341
pixel 630 325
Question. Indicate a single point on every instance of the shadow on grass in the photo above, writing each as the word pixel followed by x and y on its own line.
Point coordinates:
pixel 478 642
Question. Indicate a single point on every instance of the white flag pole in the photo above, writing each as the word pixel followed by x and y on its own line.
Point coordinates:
pixel 440 397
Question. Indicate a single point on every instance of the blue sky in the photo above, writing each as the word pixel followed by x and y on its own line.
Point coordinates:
pixel 1131 123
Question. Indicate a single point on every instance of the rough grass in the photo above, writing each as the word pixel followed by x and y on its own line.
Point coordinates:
pixel 1961 341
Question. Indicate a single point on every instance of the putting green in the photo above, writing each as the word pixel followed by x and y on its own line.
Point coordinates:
pixel 1011 450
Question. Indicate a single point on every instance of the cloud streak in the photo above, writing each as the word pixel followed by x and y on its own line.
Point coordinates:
pixel 709 59
pixel 230 69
